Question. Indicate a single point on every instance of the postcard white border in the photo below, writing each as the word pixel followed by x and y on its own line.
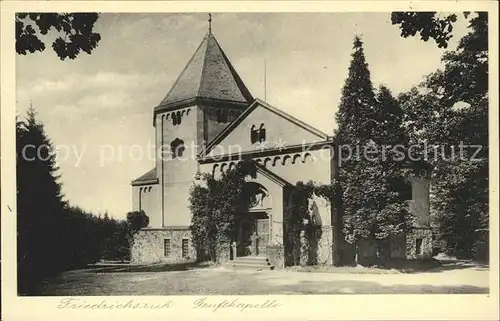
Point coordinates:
pixel 293 307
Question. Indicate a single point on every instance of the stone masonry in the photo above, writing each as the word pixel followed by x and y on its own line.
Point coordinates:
pixel 149 246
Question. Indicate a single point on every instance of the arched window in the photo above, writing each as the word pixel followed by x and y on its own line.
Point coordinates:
pixel 176 118
pixel 262 133
pixel 177 148
pixel 257 135
pixel 179 118
pixel 253 135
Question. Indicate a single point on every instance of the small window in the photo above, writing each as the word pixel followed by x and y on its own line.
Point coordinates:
pixel 176 118
pixel 419 249
pixel 166 247
pixel 262 133
pixel 253 135
pixel 257 135
pixel 177 148
pixel 185 248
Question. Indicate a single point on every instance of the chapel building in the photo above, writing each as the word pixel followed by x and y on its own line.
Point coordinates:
pixel 209 121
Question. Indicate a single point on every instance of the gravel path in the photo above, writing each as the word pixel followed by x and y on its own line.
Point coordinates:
pixel 222 281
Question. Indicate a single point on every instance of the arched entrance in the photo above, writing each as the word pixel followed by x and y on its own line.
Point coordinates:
pixel 253 228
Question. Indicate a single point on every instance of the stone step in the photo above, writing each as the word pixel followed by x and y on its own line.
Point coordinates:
pixel 256 259
pixel 250 263
pixel 254 267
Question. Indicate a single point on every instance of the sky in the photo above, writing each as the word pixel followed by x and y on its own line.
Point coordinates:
pixel 97 107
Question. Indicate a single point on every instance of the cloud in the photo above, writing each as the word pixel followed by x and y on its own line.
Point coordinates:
pixel 108 97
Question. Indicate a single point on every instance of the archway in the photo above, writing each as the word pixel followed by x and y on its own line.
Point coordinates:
pixel 253 227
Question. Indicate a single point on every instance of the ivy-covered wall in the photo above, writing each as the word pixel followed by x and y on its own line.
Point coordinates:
pixel 422 250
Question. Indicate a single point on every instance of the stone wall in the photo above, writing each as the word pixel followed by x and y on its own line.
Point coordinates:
pixel 148 246
pixel 423 235
pixel 323 249
pixel 276 256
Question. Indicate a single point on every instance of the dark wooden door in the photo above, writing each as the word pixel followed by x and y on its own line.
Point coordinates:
pixel 247 241
pixel 262 237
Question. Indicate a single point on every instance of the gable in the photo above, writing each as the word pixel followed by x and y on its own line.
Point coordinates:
pixel 281 130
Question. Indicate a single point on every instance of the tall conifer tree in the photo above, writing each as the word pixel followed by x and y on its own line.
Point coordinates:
pixel 372 206
pixel 39 205
pixel 355 114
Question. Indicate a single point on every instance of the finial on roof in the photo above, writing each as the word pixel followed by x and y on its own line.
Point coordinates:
pixel 210 22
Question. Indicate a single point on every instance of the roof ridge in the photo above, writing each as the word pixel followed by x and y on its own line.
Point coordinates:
pixel 229 128
pixel 182 72
pixel 203 69
pixel 239 82
pixel 293 119
pixel 271 175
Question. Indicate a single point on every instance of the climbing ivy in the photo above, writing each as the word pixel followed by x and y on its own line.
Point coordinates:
pixel 214 206
pixel 303 234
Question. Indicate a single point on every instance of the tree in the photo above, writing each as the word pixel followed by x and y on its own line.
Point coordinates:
pixel 448 109
pixel 355 114
pixel 137 220
pixel 39 205
pixel 427 24
pixel 371 187
pixel 53 236
pixel 389 118
pixel 74 30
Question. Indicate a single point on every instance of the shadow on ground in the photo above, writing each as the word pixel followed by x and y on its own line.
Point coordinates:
pixel 455 264
pixel 397 267
pixel 160 267
pixel 223 282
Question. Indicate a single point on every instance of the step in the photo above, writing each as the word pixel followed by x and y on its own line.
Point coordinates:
pixel 242 266
pixel 250 259
pixel 248 262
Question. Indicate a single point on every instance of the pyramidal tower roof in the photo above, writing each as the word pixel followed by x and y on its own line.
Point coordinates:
pixel 209 75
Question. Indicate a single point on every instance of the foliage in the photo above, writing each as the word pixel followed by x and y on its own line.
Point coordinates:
pixel 302 232
pixel 358 99
pixel 53 236
pixel 427 24
pixel 448 109
pixel 39 203
pixel 215 207
pixel 75 33
pixel 137 220
pixel 116 239
pixel 372 189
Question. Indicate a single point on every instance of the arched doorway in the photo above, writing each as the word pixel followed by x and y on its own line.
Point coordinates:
pixel 253 231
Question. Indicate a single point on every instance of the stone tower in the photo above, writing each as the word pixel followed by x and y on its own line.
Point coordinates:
pixel 205 98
